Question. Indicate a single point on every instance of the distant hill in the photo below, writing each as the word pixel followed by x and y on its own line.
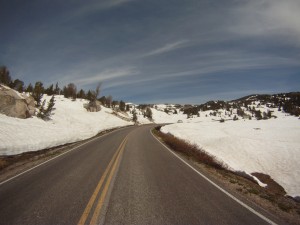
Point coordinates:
pixel 287 102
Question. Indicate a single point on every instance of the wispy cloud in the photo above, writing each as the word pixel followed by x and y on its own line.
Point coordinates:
pixel 106 75
pixel 154 48
pixel 167 48
pixel 269 18
pixel 94 6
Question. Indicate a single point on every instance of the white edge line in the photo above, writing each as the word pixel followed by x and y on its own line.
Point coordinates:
pixel 72 149
pixel 217 186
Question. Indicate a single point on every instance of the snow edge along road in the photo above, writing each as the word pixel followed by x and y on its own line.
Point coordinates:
pixel 61 154
pixel 215 185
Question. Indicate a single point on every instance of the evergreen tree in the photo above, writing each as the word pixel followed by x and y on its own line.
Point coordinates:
pixel 81 94
pixel 127 108
pixel 57 89
pixel 4 76
pixel 103 100
pixel 269 114
pixel 148 113
pixel 45 113
pixel 42 110
pixel 70 91
pixel 50 107
pixel 38 92
pixel 114 104
pixel 258 115
pixel 29 88
pixel 265 117
pixel 17 85
pixel 122 105
pixel 49 91
pixel 89 95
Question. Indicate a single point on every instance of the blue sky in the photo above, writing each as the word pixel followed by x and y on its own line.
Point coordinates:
pixel 155 51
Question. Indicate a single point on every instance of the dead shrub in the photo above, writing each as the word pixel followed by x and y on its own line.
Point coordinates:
pixel 190 150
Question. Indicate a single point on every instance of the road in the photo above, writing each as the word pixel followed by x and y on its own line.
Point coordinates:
pixel 125 177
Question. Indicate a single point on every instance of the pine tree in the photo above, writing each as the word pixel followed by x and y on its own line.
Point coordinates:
pixel 41 112
pixel 70 91
pixel 4 76
pixel 45 113
pixel 122 106
pixel 103 100
pixel 18 85
pixel 57 89
pixel 29 88
pixel 258 115
pixel 89 95
pixel 38 92
pixel 81 94
pixel 50 107
pixel 269 114
pixel 114 104
pixel 49 91
pixel 148 113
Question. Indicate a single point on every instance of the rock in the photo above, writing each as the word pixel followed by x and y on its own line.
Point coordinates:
pixel 13 104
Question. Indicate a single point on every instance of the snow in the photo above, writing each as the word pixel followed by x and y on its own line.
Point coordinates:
pixel 162 117
pixel 16 94
pixel 159 116
pixel 268 146
pixel 70 122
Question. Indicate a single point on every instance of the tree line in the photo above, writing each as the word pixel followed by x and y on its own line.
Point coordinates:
pixel 69 91
pixel 37 90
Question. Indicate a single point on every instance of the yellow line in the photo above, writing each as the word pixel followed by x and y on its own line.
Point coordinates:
pixel 94 219
pixel 99 185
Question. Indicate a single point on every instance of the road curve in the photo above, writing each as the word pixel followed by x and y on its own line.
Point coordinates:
pixel 125 177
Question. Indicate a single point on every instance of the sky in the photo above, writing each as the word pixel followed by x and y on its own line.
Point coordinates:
pixel 155 51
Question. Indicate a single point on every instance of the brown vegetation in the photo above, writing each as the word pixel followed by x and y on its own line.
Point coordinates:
pixel 272 198
pixel 190 150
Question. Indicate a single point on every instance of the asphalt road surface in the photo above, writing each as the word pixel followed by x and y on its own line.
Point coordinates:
pixel 125 177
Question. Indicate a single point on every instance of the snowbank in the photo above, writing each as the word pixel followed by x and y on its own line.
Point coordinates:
pixel 70 122
pixel 267 146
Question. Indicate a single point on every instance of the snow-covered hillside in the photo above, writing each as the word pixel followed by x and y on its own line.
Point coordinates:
pixel 160 117
pixel 257 133
pixel 268 146
pixel 70 122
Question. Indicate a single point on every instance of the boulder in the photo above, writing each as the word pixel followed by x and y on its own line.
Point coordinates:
pixel 13 104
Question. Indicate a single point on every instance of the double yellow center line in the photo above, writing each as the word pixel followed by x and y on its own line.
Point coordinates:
pixel 112 168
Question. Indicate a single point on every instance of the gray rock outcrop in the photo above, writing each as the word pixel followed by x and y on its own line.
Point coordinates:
pixel 14 104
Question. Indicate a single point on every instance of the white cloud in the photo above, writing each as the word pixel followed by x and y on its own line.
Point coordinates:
pixel 106 75
pixel 95 6
pixel 269 18
pixel 167 48
pixel 75 76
